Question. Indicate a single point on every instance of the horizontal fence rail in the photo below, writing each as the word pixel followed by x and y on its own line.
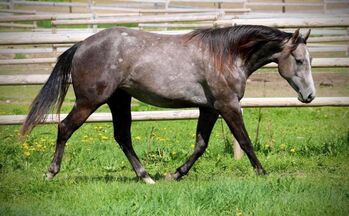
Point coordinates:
pixel 290 22
pixel 316 62
pixel 73 36
pixel 323 6
pixel 313 48
pixel 189 114
pixel 138 19
pixel 136 16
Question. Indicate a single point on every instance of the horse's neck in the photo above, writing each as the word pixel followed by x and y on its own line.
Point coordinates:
pixel 258 59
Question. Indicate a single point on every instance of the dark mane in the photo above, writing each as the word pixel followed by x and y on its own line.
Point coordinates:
pixel 243 40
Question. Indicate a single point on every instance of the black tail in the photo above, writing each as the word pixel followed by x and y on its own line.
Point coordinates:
pixel 52 94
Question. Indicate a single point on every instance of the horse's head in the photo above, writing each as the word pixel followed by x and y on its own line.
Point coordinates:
pixel 294 64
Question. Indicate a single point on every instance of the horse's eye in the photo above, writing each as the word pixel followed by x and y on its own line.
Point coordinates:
pixel 299 61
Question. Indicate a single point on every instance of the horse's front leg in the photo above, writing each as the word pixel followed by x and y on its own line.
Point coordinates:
pixel 230 110
pixel 207 119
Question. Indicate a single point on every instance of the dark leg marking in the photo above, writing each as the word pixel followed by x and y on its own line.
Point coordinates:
pixel 120 106
pixel 206 121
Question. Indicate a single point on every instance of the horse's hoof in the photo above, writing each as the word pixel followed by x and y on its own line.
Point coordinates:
pixel 171 176
pixel 261 172
pixel 148 180
pixel 49 176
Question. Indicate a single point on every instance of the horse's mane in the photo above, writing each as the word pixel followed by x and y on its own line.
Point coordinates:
pixel 243 40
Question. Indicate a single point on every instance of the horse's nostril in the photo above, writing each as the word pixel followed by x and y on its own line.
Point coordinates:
pixel 310 97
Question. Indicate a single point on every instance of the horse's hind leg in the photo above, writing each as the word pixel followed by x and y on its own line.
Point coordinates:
pixel 206 121
pixel 120 106
pixel 66 128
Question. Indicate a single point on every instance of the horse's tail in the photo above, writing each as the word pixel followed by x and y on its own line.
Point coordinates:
pixel 52 94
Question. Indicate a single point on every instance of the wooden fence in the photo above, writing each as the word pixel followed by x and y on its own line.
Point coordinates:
pixel 93 13
pixel 191 114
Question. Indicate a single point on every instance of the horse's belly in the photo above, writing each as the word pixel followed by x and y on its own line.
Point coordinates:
pixel 169 99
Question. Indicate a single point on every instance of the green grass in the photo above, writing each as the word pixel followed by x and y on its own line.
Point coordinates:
pixel 305 151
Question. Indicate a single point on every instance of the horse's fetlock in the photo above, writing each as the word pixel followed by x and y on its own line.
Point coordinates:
pixel 142 174
pixel 201 144
pixel 54 169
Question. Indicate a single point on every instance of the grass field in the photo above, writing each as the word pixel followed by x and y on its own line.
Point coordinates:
pixel 305 151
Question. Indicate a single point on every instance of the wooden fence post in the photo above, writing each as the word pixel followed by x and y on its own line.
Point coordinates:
pixel 70 7
pixel 11 7
pixel 238 153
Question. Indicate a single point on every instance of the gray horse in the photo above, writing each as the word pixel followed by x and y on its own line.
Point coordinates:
pixel 206 68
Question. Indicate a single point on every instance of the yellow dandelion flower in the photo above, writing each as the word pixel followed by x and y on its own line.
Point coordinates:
pixel 25 146
pixel 138 138
pixel 161 139
pixel 292 150
pixel 104 137
pixel 38 148
pixel 26 153
pixel 239 212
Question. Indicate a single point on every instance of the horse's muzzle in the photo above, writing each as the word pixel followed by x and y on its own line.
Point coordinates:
pixel 307 99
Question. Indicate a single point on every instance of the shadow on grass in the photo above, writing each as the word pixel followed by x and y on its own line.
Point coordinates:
pixel 111 178
pixel 105 178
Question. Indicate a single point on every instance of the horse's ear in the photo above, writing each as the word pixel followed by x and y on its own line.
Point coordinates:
pixel 295 36
pixel 307 35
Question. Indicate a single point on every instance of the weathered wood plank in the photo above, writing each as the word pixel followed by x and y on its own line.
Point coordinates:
pixel 317 62
pixel 190 114
pixel 15 38
pixel 138 19
pixel 290 22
